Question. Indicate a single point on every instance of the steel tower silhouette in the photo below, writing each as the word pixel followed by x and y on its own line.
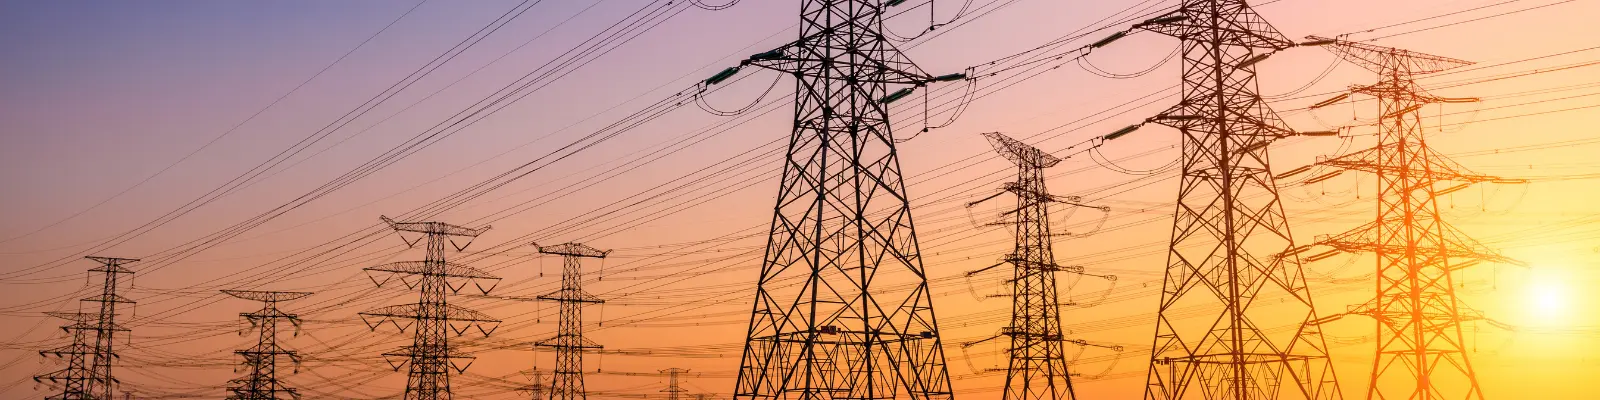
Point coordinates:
pixel 819 327
pixel 1420 351
pixel 673 390
pixel 430 355
pixel 74 378
pixel 1037 367
pixel 567 381
pixel 261 361
pixel 1229 227
pixel 102 384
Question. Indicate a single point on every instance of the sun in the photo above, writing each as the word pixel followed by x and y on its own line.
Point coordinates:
pixel 1547 297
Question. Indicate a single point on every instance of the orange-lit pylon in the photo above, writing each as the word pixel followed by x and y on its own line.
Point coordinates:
pixel 1420 352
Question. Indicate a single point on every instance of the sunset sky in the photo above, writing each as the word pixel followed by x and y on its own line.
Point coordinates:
pixel 204 137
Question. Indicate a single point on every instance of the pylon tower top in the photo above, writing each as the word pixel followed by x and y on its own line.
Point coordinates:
pixel 572 249
pixel 1386 60
pixel 265 296
pixel 1021 153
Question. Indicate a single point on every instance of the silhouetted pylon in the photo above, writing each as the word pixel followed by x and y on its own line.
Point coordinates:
pixel 1229 227
pixel 569 343
pixel 74 377
pixel 102 385
pixel 1420 351
pixel 261 360
pixel 1037 360
pixel 820 328
pixel 430 355
pixel 673 390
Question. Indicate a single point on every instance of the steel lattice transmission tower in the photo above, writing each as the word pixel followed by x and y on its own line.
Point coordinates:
pixel 1420 351
pixel 74 378
pixel 820 329
pixel 1229 227
pixel 102 385
pixel 1037 367
pixel 431 355
pixel 261 361
pixel 673 390
pixel 569 343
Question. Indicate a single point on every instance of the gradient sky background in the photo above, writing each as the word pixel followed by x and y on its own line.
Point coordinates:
pixel 99 99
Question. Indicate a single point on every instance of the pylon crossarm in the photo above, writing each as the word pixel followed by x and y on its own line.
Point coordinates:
pixel 791 59
pixel 569 341
pixel 571 296
pixel 402 356
pixel 572 249
pixel 1260 34
pixel 76 317
pixel 109 298
pixel 413 311
pixel 1382 59
pixel 1021 153
pixel 265 296
pixel 433 228
pixel 1086 343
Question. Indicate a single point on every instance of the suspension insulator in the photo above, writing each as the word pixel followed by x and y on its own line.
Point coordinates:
pixel 769 55
pixel 949 77
pixel 1108 40
pixel 1122 132
pixel 1253 60
pixel 722 76
pixel 897 95
pixel 1330 102
pixel 1165 20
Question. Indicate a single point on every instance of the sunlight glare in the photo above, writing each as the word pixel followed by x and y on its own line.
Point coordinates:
pixel 1547 296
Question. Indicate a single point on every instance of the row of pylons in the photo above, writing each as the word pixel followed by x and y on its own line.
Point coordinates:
pixel 842 216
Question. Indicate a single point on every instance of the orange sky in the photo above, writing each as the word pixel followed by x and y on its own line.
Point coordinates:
pixel 99 98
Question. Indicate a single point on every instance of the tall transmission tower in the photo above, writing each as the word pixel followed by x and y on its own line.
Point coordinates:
pixel 1420 351
pixel 569 343
pixel 261 361
pixel 819 329
pixel 673 390
pixel 102 385
pixel 430 355
pixel 1037 367
pixel 74 378
pixel 1229 227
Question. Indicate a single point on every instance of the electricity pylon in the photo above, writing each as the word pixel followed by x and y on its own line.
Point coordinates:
pixel 74 378
pixel 1420 351
pixel 1037 369
pixel 819 328
pixel 536 386
pixel 102 385
pixel 673 390
pixel 569 343
pixel 430 355
pixel 261 361
pixel 1229 227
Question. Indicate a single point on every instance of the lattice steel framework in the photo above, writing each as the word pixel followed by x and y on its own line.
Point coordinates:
pixel 1037 366
pixel 1229 228
pixel 819 328
pixel 101 382
pixel 74 377
pixel 1420 351
pixel 567 381
pixel 430 356
pixel 674 391
pixel 261 360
